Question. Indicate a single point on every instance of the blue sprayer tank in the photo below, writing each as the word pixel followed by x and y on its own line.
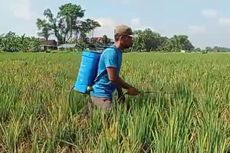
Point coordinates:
pixel 87 71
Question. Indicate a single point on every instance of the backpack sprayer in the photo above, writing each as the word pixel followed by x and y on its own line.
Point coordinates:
pixel 88 69
pixel 87 73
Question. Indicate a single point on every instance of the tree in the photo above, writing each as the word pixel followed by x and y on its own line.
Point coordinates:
pixel 185 43
pixel 62 24
pixel 178 43
pixel 86 27
pixel 197 50
pixel 69 14
pixel 67 25
pixel 165 44
pixel 208 49
pixel 105 40
pixel 11 42
pixel 46 30
pixel 91 25
pixel 146 40
pixel 55 25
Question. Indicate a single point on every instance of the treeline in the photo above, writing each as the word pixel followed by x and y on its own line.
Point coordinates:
pixel 70 26
pixel 217 49
pixel 67 26
pixel 11 42
pixel 144 41
pixel 147 40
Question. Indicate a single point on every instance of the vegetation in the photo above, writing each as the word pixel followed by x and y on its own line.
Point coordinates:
pixel 217 49
pixel 188 111
pixel 67 25
pixel 184 105
pixel 147 40
pixel 11 42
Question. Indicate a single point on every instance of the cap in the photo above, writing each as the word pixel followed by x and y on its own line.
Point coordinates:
pixel 123 30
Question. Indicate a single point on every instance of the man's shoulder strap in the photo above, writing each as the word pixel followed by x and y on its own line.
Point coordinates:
pixel 109 47
pixel 104 72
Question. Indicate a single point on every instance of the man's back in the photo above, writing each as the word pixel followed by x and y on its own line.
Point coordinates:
pixel 103 87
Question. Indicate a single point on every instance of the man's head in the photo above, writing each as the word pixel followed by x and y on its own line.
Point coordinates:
pixel 123 36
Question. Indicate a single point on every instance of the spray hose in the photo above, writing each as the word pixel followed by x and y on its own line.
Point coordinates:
pixel 122 96
pixel 143 93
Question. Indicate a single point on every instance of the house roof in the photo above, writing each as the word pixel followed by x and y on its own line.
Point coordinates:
pixel 67 46
pixel 48 42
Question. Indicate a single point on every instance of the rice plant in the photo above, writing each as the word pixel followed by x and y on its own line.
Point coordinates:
pixel 185 107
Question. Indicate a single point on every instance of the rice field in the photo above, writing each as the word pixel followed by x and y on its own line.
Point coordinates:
pixel 188 112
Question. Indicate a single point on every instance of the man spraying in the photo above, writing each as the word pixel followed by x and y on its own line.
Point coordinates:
pixel 109 65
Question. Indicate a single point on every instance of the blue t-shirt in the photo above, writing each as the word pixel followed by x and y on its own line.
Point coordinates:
pixel 103 87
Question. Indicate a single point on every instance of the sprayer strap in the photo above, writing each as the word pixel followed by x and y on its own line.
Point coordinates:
pixel 104 72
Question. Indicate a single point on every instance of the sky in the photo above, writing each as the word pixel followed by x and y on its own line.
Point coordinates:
pixel 206 22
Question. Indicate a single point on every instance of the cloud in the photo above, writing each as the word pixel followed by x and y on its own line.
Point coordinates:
pixel 106 22
pixel 107 27
pixel 209 13
pixel 224 21
pixel 136 24
pixel 197 29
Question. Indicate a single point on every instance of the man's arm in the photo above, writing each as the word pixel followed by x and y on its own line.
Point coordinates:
pixel 115 79
pixel 120 83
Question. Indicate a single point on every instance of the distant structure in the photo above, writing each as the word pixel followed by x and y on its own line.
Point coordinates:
pixel 95 43
pixel 67 47
pixel 48 44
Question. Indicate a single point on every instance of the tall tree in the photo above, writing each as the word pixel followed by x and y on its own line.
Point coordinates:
pixel 84 27
pixel 55 24
pixel 181 42
pixel 69 15
pixel 146 40
pixel 91 25
pixel 45 28
pixel 67 25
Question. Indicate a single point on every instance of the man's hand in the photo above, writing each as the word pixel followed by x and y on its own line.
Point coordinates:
pixel 132 91
pixel 115 79
pixel 121 96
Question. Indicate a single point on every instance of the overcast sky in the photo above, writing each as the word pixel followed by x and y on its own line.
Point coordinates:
pixel 206 22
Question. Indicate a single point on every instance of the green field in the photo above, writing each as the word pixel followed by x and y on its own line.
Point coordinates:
pixel 189 111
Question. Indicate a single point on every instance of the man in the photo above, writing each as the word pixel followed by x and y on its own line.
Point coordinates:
pixel 108 78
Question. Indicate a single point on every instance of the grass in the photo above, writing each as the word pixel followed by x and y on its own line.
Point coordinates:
pixel 189 112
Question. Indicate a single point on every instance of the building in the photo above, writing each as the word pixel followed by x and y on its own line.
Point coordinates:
pixel 48 44
pixel 67 47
